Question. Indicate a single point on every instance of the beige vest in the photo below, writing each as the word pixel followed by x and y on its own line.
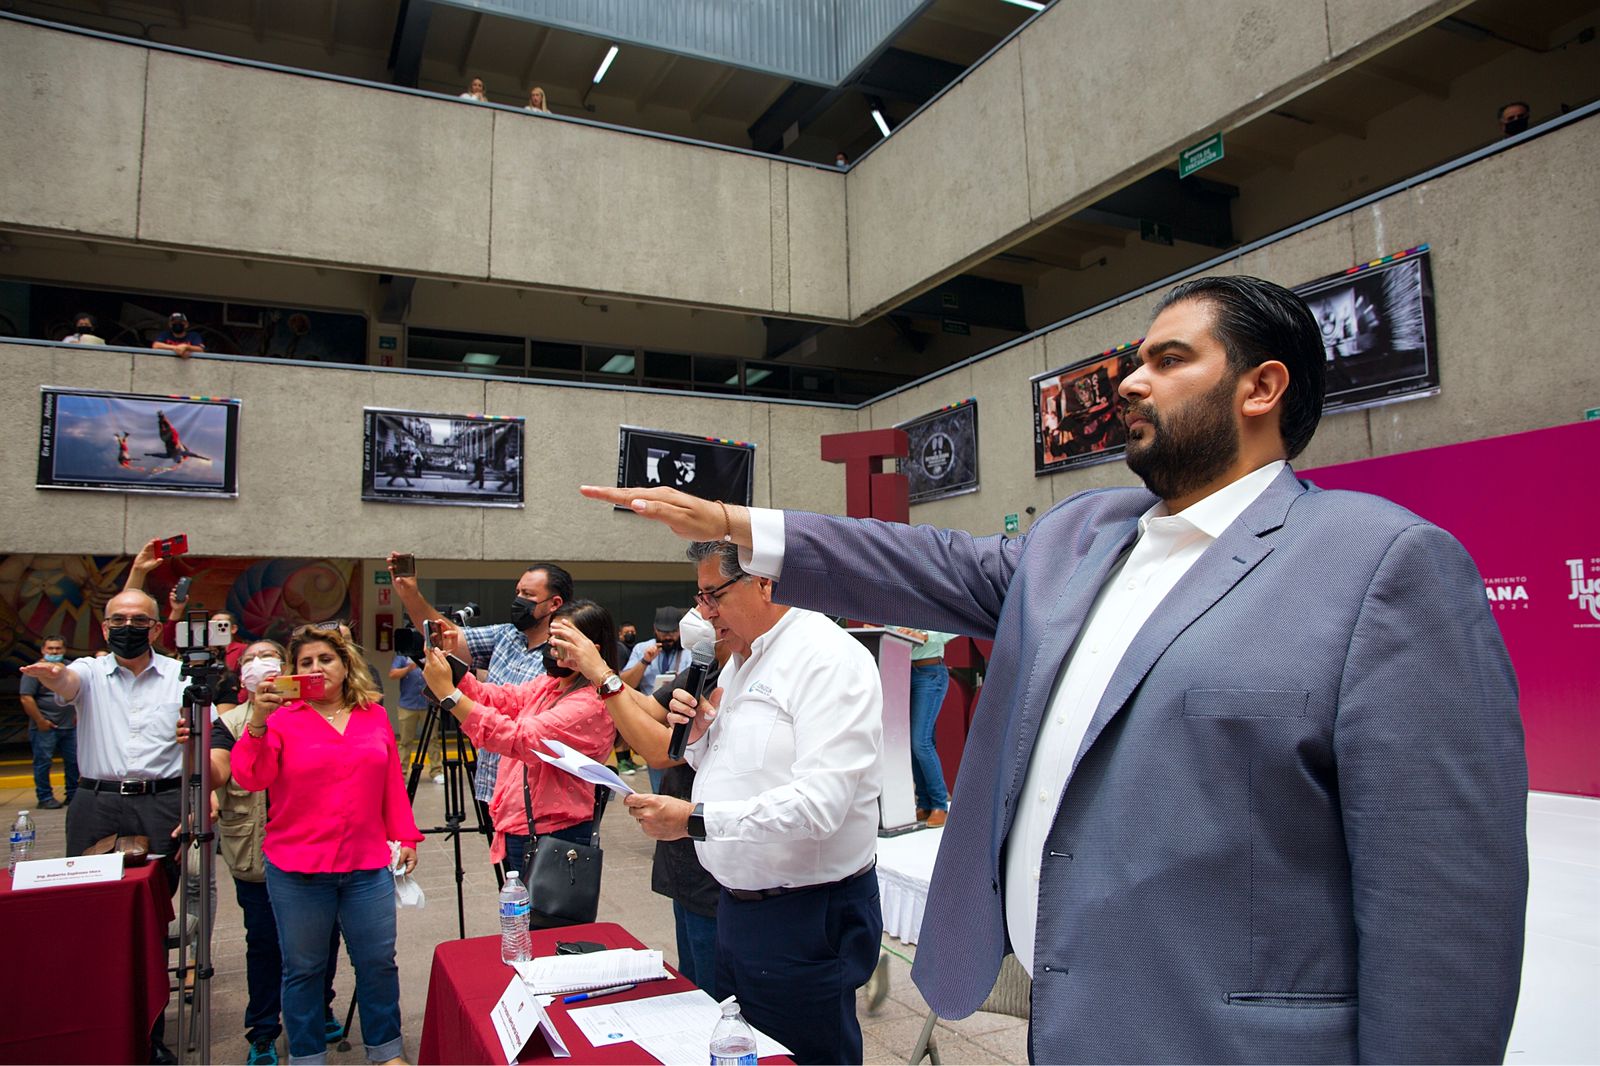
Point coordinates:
pixel 241 816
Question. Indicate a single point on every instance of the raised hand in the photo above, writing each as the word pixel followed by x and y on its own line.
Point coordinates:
pixel 688 516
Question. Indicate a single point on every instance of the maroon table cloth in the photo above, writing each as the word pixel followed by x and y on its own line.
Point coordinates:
pixel 87 968
pixel 468 979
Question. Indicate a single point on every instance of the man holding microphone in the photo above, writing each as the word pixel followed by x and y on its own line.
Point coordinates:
pixel 784 810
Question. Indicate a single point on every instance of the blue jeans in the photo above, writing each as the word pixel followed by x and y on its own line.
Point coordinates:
pixel 306 907
pixel 697 947
pixel 45 746
pixel 928 686
pixel 263 963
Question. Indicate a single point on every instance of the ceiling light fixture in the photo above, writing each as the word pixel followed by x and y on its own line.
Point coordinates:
pixel 621 363
pixel 605 64
pixel 877 116
pixel 1031 5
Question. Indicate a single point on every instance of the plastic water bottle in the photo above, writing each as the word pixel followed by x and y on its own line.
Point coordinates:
pixel 515 944
pixel 733 1042
pixel 22 837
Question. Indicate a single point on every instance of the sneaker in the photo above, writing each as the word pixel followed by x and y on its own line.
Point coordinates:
pixel 332 1030
pixel 51 804
pixel 262 1054
pixel 438 779
pixel 626 766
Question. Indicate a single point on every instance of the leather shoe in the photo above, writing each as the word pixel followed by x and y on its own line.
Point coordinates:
pixel 51 804
pixel 922 814
pixel 936 818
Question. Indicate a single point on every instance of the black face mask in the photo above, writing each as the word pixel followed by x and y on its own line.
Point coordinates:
pixel 553 669
pixel 522 613
pixel 1514 126
pixel 128 642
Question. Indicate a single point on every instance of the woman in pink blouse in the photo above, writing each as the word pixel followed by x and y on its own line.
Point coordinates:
pixel 331 769
pixel 516 720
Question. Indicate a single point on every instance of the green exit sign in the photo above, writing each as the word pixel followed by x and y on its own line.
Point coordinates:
pixel 1013 523
pixel 1591 414
pixel 1200 155
pixel 380 577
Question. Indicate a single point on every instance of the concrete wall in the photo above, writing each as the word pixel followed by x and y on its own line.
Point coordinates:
pixel 1514 312
pixel 1088 98
pixel 179 151
pixel 300 462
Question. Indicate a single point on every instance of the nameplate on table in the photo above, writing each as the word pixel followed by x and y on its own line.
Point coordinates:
pixel 78 870
pixel 516 1016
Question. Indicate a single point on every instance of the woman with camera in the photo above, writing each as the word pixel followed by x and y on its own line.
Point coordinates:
pixel 331 768
pixel 516 719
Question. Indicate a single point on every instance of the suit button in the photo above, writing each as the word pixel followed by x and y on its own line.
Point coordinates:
pixel 1044 795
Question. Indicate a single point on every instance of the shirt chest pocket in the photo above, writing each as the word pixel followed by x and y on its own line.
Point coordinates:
pixel 751 725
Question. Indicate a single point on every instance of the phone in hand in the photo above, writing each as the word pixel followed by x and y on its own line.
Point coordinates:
pixel 299 686
pixel 404 565
pixel 435 630
pixel 180 592
pixel 167 547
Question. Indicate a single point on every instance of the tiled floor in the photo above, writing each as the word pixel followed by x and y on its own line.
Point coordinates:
pixel 1558 1018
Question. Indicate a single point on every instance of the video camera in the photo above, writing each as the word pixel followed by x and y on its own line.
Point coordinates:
pixel 408 641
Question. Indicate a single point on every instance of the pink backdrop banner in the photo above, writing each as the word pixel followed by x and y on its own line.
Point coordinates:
pixel 1527 508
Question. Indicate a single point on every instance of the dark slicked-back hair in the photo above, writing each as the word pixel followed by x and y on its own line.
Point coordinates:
pixel 556 580
pixel 1255 321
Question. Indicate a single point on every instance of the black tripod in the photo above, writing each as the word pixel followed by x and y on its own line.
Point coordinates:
pixel 460 767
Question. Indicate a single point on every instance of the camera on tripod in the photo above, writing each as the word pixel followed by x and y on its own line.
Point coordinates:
pixel 197 635
pixel 408 641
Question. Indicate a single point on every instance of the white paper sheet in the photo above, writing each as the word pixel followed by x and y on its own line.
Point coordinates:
pixel 667 1027
pixel 580 765
pixel 596 969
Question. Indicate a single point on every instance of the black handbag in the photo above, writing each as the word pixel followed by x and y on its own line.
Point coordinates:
pixel 562 877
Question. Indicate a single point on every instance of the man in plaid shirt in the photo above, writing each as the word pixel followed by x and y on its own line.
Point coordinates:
pixel 511 651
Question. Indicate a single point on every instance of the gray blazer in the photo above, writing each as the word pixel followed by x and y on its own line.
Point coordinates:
pixel 1295 830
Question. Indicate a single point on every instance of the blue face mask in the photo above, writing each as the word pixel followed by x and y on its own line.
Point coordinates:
pixel 55 658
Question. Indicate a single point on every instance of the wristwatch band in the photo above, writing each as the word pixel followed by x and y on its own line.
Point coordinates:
pixel 697 822
pixel 448 704
pixel 609 686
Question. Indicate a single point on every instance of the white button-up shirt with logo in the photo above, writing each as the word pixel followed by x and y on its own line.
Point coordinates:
pixel 790 770
pixel 127 725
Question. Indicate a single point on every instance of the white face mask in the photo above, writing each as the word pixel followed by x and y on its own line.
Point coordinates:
pixel 252 673
pixel 694 630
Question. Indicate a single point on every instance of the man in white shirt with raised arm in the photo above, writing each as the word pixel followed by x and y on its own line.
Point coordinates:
pixel 787 754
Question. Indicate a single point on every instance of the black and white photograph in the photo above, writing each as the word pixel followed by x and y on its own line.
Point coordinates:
pixel 943 460
pixel 711 468
pixel 128 442
pixel 1077 417
pixel 1377 331
pixel 430 458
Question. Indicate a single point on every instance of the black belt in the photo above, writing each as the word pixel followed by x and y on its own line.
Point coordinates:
pixel 750 895
pixel 131 788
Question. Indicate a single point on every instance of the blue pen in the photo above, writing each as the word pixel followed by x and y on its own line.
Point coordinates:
pixel 596 994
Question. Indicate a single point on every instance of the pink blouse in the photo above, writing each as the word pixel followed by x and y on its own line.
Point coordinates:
pixel 335 800
pixel 515 720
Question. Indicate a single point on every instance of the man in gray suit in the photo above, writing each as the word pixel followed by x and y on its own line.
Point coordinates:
pixel 1246 782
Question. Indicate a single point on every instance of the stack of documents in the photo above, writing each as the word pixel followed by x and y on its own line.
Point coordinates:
pixel 555 975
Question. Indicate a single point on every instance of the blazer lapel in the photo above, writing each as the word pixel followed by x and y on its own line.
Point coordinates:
pixel 1222 566
pixel 1063 620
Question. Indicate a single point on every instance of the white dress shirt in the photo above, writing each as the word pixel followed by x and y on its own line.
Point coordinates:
pixel 127 725
pixel 791 767
pixel 1167 546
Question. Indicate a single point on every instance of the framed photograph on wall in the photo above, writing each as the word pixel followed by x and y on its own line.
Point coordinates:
pixel 708 467
pixel 130 442
pixel 943 460
pixel 1076 412
pixel 430 458
pixel 1377 331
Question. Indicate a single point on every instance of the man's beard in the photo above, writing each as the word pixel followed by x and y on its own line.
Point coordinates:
pixel 1189 448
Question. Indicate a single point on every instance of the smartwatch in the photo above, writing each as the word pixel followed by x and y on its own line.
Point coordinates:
pixel 697 822
pixel 611 686
pixel 448 704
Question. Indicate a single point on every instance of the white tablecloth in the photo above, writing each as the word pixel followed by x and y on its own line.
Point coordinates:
pixel 905 866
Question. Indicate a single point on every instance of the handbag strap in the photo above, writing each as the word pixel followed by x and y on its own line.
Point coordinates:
pixel 601 797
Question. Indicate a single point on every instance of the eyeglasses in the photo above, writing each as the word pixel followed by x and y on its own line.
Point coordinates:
pixel 137 621
pixel 708 599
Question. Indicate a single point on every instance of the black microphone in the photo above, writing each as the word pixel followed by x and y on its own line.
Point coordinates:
pixel 692 681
